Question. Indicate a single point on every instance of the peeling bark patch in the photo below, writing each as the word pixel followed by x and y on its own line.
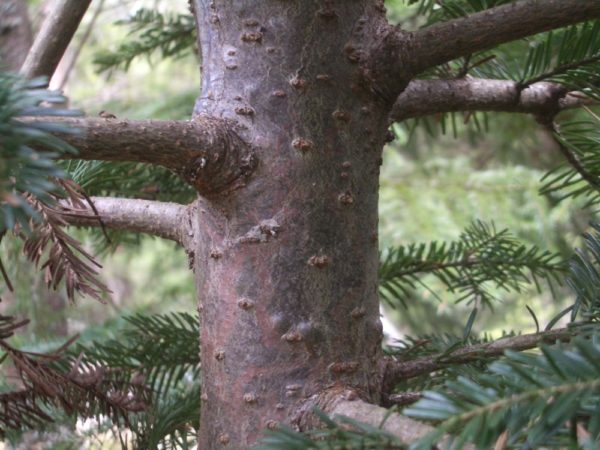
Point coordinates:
pixel 261 233
pixel 292 336
pixel 344 367
pixel 245 304
pixel 244 111
pixel 327 13
pixel 340 115
pixel 293 390
pixel 358 312
pixel 298 83
pixel 303 145
pixel 352 53
pixel 319 261
pixel 346 198
pixel 252 36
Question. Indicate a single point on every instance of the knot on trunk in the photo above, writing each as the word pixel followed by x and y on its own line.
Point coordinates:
pixel 225 162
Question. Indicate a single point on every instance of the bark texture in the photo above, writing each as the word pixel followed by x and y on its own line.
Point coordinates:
pixel 286 268
pixel 449 40
pixel 206 152
pixel 15 34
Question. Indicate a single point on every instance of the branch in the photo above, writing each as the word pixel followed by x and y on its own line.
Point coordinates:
pixel 396 371
pixel 404 428
pixel 162 219
pixel 206 152
pixel 449 40
pixel 54 37
pixel 425 97
pixel 339 402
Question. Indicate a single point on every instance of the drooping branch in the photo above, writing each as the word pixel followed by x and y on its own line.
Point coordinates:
pixel 54 37
pixel 162 219
pixel 460 37
pixel 425 97
pixel 396 370
pixel 206 152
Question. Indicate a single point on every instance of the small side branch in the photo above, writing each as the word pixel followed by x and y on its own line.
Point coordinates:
pixel 426 97
pixel 396 371
pixel 206 152
pixel 54 37
pixel 162 219
pixel 449 40
pixel 336 403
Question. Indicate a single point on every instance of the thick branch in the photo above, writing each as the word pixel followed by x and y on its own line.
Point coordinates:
pixel 54 37
pixel 345 402
pixel 396 371
pixel 460 37
pixel 162 219
pixel 425 97
pixel 205 152
pixel 404 428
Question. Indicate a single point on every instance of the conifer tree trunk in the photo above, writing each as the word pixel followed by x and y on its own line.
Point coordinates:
pixel 286 264
pixel 285 150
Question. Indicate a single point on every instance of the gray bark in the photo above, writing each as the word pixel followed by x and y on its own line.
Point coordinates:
pixel 54 37
pixel 15 34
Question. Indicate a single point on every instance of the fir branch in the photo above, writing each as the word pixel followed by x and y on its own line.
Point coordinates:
pixel 578 143
pixel 529 396
pixel 481 256
pixel 397 370
pixel 172 35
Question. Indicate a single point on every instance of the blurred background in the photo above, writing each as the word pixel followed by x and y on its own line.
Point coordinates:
pixel 437 177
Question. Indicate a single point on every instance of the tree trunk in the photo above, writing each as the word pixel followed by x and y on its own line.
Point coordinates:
pixel 15 34
pixel 286 264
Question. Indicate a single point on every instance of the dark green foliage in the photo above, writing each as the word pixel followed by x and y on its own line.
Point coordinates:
pixel 135 180
pixel 22 169
pixel 161 349
pixel 170 423
pixel 513 395
pixel 481 259
pixel 568 56
pixel 584 278
pixel 580 175
pixel 172 35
